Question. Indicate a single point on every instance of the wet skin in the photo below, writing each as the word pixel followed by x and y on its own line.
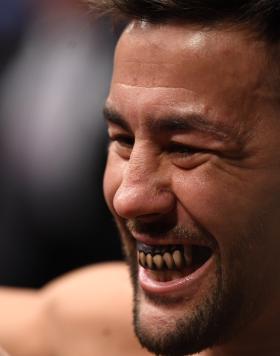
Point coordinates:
pixel 194 127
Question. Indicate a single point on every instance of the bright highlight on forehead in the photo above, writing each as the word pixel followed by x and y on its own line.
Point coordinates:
pixel 183 35
pixel 185 57
pixel 189 35
pixel 160 69
pixel 143 47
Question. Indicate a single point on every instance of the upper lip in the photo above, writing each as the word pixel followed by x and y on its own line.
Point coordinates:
pixel 169 235
pixel 169 240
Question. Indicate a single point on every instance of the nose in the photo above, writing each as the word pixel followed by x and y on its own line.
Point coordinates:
pixel 145 190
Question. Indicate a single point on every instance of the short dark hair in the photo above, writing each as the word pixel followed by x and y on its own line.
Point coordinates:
pixel 263 16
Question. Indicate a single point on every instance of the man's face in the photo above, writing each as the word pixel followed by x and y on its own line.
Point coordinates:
pixel 193 180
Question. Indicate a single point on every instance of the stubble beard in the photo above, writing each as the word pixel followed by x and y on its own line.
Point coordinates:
pixel 216 319
pixel 210 324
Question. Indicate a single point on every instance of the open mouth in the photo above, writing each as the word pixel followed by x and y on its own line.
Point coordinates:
pixel 168 262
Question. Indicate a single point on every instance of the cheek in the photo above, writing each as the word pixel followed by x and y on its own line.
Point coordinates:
pixel 224 205
pixel 112 179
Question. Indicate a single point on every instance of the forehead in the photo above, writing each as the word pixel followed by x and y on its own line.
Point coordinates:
pixel 181 65
pixel 145 47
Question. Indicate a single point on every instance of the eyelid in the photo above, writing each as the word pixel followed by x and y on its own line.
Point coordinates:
pixel 122 139
pixel 175 147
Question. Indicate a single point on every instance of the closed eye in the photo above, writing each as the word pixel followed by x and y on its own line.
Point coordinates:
pixel 186 156
pixel 123 140
pixel 183 149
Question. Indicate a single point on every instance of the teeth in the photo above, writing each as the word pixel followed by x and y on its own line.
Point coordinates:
pixel 142 258
pixel 149 260
pixel 178 259
pixel 158 261
pixel 168 260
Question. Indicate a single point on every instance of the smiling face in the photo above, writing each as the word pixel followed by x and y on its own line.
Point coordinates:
pixel 193 180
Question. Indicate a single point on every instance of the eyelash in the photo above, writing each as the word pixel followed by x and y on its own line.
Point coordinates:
pixel 178 148
pixel 172 148
pixel 123 140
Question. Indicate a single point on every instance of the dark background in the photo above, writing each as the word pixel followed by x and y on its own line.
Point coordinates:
pixel 53 217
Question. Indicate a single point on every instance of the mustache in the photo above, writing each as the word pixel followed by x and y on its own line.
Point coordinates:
pixel 167 230
pixel 155 228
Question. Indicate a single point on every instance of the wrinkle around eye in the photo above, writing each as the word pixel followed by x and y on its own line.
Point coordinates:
pixel 191 161
pixel 122 149
pixel 122 140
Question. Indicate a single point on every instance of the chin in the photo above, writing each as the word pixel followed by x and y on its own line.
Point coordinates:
pixel 177 325
pixel 183 311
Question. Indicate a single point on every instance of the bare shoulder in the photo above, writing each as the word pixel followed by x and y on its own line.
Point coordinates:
pixel 92 281
pixel 89 312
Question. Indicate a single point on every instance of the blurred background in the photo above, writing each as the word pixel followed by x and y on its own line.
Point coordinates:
pixel 55 68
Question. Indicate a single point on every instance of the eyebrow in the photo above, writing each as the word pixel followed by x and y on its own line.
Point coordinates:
pixel 177 123
pixel 115 118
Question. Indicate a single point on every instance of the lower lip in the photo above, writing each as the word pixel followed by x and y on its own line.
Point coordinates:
pixel 186 286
